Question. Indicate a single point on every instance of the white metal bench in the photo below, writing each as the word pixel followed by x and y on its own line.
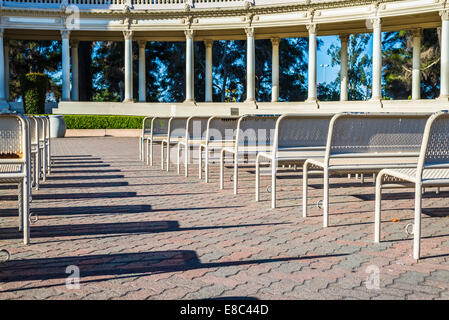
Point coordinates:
pixel 15 163
pixel 220 133
pixel 297 137
pixel 196 128
pixel 432 170
pixel 176 133
pixel 366 143
pixel 254 134
pixel 159 131
pixel 144 136
pixel 35 151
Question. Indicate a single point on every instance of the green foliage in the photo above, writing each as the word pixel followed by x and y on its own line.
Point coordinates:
pixel 103 122
pixel 34 91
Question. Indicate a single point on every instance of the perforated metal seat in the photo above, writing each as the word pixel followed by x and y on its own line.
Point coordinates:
pixel 431 170
pixel 254 134
pixel 366 143
pixel 15 163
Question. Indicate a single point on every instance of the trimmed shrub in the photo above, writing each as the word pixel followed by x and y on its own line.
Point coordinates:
pixel 34 91
pixel 103 122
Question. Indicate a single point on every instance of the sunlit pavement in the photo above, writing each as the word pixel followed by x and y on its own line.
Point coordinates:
pixel 131 231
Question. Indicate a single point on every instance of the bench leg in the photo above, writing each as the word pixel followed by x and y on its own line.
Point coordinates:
pixel 326 198
pixel 236 173
pixel 178 163
pixel 162 155
pixel 273 183
pixel 37 170
pixel 26 211
pixel 20 204
pixel 378 209
pixel 305 182
pixel 168 156
pixel 140 148
pixel 186 162
pixel 221 170
pixel 206 165
pixel 257 179
pixel 417 222
pixel 200 162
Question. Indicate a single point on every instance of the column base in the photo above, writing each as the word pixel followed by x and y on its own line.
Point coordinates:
pixel 128 101
pixel 190 102
pixel 443 98
pixel 252 103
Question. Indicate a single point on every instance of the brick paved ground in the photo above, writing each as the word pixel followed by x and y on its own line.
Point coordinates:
pixel 136 232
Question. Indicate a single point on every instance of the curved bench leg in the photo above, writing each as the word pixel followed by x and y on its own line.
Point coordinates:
pixel 236 173
pixel 221 169
pixel 273 183
pixel 417 222
pixel 326 198
pixel 257 178
pixel 305 184
pixel 378 208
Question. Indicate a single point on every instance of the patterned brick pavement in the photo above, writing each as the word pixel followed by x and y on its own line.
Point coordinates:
pixel 136 232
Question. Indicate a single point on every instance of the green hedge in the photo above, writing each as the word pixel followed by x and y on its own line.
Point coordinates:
pixel 103 122
pixel 34 91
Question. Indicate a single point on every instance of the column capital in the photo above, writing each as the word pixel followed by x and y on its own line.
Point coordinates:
pixel 417 32
pixel 128 34
pixel 344 37
pixel 65 34
pixel 74 43
pixel 142 44
pixel 249 32
pixel 275 41
pixel 444 14
pixel 312 27
pixel 376 22
pixel 208 43
pixel 189 33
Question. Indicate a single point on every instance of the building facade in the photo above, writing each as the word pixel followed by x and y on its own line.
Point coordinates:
pixel 71 21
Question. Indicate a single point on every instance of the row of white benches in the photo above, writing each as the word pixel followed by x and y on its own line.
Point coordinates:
pixel 402 149
pixel 24 159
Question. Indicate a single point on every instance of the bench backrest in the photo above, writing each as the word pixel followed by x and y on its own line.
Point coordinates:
pixel 197 127
pixel 34 130
pixel 375 133
pixel 42 127
pixel 220 129
pixel 435 144
pixel 13 138
pixel 177 127
pixel 159 126
pixel 256 130
pixel 301 130
pixel 47 127
pixel 146 126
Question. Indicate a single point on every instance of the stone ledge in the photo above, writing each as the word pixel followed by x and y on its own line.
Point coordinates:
pixel 103 133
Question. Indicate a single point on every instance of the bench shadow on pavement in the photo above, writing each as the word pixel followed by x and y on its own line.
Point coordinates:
pixel 119 265
pixel 116 229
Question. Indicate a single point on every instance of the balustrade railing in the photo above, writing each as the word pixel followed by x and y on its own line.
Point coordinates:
pixel 141 4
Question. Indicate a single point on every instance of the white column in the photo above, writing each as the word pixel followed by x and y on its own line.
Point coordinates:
pixel 344 67
pixel 444 76
pixel 75 71
pixel 275 69
pixel 128 66
pixel 416 76
pixel 250 65
pixel 208 72
pixel 377 59
pixel 142 72
pixel 312 92
pixel 2 68
pixel 190 93
pixel 65 34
